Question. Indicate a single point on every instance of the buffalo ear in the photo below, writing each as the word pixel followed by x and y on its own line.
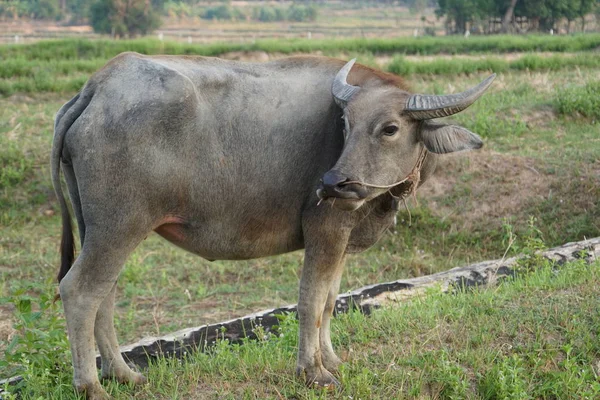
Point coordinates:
pixel 441 139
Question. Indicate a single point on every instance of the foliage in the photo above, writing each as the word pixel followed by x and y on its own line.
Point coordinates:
pixel 531 337
pixel 399 65
pixel 44 9
pixel 583 100
pixel 268 14
pixel 543 14
pixel 536 335
pixel 39 350
pixel 77 49
pixel 299 13
pixel 295 12
pixel 223 12
pixel 14 166
pixel 63 66
pixel 123 17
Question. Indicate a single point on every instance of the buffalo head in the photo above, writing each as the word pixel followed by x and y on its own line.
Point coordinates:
pixel 388 132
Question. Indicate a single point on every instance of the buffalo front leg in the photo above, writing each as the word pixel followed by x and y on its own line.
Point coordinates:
pixel 330 360
pixel 322 261
pixel 113 364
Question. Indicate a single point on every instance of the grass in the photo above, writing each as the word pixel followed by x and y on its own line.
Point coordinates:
pixel 73 49
pixel 531 337
pixel 529 62
pixel 63 66
pixel 541 160
pixel 582 100
pixel 450 227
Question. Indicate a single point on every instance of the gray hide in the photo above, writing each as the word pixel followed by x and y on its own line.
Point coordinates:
pixel 224 160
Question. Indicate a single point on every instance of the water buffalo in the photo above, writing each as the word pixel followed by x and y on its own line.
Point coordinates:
pixel 231 161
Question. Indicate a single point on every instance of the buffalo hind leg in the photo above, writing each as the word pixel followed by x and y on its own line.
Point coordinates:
pixel 113 364
pixel 83 290
pixel 330 360
pixel 322 260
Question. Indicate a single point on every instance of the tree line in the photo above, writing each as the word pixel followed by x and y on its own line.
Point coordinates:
pixel 138 17
pixel 491 16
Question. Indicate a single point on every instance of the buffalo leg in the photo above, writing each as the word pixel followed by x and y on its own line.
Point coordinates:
pixel 83 290
pixel 330 360
pixel 113 364
pixel 321 263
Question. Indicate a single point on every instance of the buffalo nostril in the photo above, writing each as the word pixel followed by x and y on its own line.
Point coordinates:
pixel 332 179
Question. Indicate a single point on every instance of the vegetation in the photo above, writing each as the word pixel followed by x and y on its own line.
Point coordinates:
pixel 71 49
pixel 582 100
pixel 295 12
pixel 123 17
pixel 529 62
pixel 477 16
pixel 533 338
pixel 63 66
pixel 541 15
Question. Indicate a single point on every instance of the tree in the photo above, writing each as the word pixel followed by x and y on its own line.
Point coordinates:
pixel 459 13
pixel 44 9
pixel 124 17
pixel 299 13
pixel 508 15
pixel 543 13
pixel 586 7
pixel 78 9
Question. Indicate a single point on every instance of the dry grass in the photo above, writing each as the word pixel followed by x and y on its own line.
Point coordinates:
pixel 499 185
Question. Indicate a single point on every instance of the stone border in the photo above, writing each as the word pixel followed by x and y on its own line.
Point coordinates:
pixel 365 299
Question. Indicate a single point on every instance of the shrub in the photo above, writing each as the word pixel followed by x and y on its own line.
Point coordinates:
pixel 301 13
pixel 268 14
pixel 584 100
pixel 123 17
pixel 223 12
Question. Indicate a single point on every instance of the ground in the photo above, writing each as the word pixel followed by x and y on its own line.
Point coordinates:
pixel 538 162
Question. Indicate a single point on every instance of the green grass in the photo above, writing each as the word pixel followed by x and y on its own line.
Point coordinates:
pixel 449 228
pixel 582 100
pixel 64 66
pixel 530 62
pixel 531 337
pixel 537 120
pixel 74 49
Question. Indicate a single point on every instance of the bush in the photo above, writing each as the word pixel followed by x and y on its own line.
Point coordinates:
pixel 223 12
pixel 268 14
pixel 583 100
pixel 532 62
pixel 301 13
pixel 123 17
pixel 44 9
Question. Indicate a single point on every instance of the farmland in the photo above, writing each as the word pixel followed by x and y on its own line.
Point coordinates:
pixel 537 179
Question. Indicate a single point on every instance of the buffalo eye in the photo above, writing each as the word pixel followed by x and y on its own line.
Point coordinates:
pixel 390 130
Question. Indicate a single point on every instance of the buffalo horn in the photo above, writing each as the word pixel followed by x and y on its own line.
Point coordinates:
pixel 342 91
pixel 421 106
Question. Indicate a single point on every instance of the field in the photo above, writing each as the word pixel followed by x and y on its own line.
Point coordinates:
pixel 537 179
pixel 341 20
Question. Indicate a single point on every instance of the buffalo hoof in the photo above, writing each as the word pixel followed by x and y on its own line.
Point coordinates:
pixel 318 377
pixel 93 391
pixel 331 362
pixel 125 377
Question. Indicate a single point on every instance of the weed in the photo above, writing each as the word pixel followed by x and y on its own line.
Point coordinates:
pixel 14 165
pixel 401 66
pixel 62 66
pixel 582 100
pixel 39 350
